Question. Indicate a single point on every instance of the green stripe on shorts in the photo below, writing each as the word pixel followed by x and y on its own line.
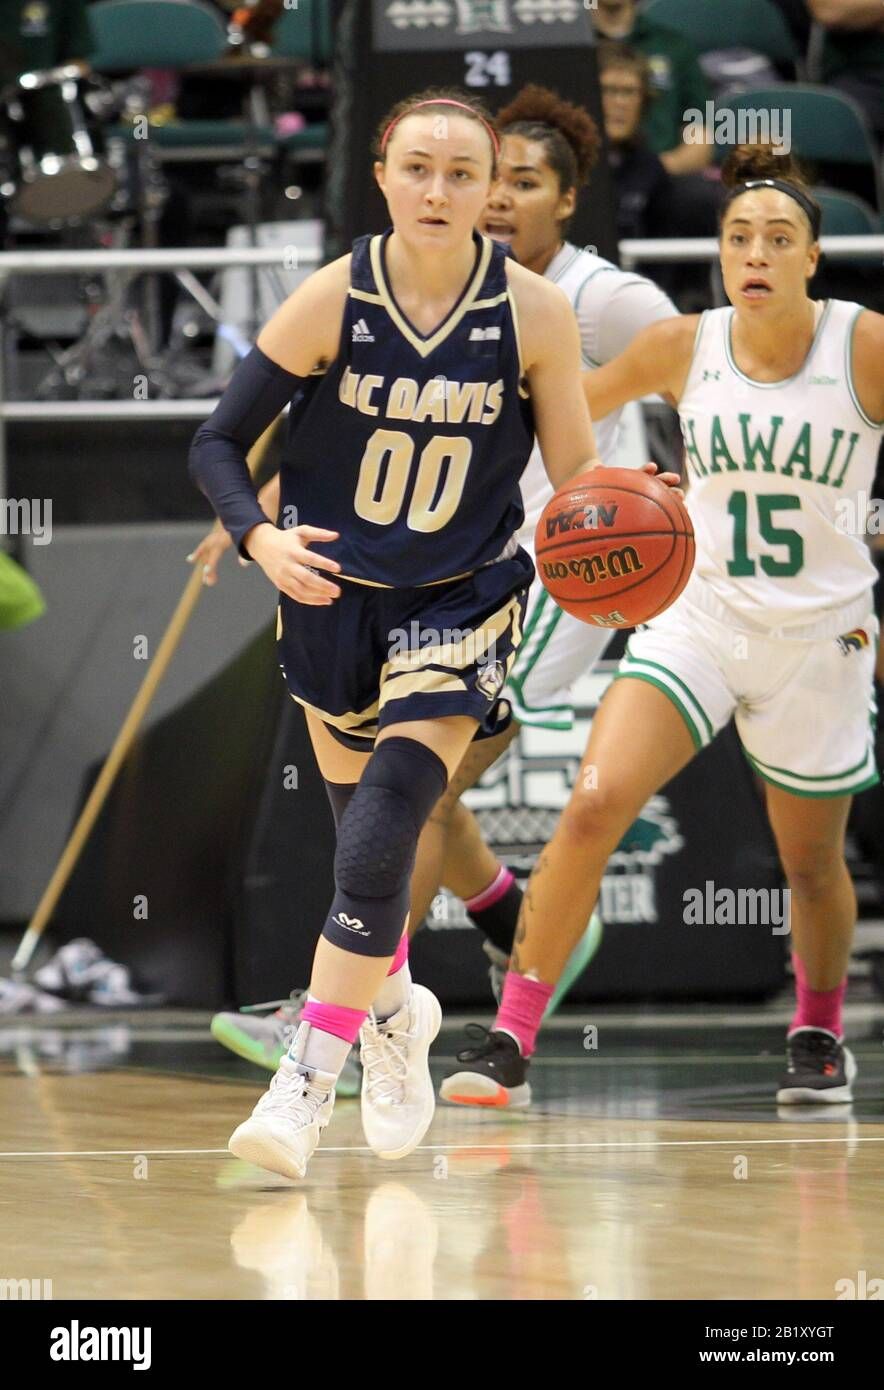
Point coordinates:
pixel 542 718
pixel 532 646
pixel 863 774
pixel 638 675
pixel 672 685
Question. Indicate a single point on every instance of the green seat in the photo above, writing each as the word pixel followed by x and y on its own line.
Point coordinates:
pixel 305 32
pixel 202 134
pixel 153 34
pixel 846 215
pixel 710 24
pixel 170 34
pixel 824 125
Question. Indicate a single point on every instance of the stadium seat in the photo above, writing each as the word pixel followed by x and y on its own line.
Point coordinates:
pixel 305 32
pixel 167 34
pixel 751 24
pixel 825 126
pixel 846 215
pixel 154 34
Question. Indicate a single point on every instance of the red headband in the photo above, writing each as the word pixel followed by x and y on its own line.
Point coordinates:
pixel 440 101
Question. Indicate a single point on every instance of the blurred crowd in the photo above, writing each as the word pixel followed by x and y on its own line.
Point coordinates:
pixel 652 75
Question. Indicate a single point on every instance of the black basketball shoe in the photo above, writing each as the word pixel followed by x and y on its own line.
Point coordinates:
pixel 820 1069
pixel 493 1073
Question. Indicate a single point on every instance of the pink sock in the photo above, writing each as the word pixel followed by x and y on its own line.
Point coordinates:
pixel 401 955
pixel 521 1009
pixel 496 889
pixel 335 1019
pixel 816 1008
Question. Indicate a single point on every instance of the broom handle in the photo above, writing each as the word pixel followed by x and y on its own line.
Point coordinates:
pixel 122 743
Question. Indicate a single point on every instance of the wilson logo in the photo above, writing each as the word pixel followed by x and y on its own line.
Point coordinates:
pixel 614 564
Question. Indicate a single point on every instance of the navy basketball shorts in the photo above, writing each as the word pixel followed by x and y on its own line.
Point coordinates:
pixel 379 656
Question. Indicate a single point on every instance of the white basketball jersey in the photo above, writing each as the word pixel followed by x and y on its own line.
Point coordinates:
pixel 780 476
pixel 611 307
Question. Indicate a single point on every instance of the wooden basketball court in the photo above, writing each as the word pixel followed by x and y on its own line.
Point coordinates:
pixel 653 1166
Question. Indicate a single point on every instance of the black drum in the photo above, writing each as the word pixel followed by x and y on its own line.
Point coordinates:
pixel 57 167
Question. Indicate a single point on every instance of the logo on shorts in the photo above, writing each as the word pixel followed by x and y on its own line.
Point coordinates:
pixel 352 924
pixel 491 679
pixel 853 641
pixel 361 333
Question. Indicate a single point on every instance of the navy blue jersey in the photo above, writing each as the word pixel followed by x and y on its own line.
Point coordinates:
pixel 412 445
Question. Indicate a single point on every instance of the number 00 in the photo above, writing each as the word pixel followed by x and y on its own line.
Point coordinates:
pixel 426 511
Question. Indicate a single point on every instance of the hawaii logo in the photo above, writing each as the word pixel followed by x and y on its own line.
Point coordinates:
pixel 853 641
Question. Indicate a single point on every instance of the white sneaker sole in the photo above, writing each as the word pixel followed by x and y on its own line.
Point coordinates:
pixel 835 1095
pixel 472 1088
pixel 254 1144
pixel 428 1004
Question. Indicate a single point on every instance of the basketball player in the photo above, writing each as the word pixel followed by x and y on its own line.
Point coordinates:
pixel 780 401
pixel 549 148
pixel 418 370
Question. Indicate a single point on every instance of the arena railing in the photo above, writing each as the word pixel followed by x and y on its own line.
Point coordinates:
pixel 633 253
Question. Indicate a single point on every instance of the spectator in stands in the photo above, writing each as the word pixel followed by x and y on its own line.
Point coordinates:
pixel 676 78
pixel 679 92
pixel 853 52
pixel 640 181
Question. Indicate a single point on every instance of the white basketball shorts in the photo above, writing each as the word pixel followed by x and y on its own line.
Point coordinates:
pixel 804 708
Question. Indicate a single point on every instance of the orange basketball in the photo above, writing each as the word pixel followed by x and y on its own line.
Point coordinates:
pixel 614 547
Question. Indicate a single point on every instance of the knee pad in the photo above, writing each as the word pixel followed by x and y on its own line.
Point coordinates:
pixel 377 840
pixel 339 795
pixel 379 830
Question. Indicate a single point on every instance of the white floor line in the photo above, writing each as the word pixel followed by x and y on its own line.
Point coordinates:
pixel 468 1148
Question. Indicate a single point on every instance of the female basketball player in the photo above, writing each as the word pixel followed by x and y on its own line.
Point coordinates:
pixel 418 369
pixel 780 401
pixel 549 148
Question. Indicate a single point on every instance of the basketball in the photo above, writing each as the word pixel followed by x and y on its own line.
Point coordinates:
pixel 614 547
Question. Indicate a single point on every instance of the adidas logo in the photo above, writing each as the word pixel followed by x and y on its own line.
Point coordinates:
pixel 361 333
pixel 351 924
pixel 484 335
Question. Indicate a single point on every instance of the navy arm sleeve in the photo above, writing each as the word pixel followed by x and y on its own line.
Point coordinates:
pixel 258 391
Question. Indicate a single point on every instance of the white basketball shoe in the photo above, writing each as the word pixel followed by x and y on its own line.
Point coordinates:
pixel 398 1100
pixel 286 1124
